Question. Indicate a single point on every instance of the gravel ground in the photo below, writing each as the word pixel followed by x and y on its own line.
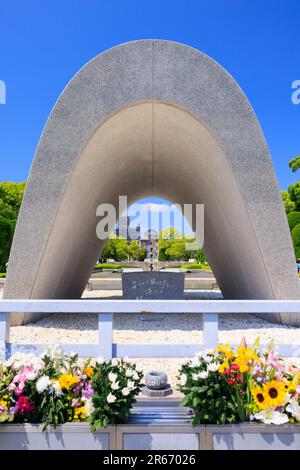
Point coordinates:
pixel 172 328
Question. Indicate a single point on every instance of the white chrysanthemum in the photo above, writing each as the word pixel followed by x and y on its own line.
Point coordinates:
pixel 55 352
pixel 185 361
pixel 207 359
pixel 183 379
pixel 195 377
pixel 100 360
pixel 19 360
pixel 43 383
pixel 115 386
pixel 112 377
pixel 203 375
pixel 213 367
pixel 195 362
pixel 139 369
pixel 31 375
pixel 126 360
pixel 135 376
pixel 115 362
pixel 111 398
pixel 130 385
pixel 129 372
pixel 125 392
pixel 57 388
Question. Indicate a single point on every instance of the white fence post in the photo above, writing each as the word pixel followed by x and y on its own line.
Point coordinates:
pixel 210 329
pixel 105 335
pixel 4 334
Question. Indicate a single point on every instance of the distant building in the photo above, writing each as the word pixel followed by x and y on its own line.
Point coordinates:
pixel 149 241
pixel 127 231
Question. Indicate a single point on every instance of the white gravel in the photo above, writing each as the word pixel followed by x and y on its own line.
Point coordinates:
pixel 171 328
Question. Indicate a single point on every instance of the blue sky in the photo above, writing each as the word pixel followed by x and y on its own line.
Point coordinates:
pixel 43 44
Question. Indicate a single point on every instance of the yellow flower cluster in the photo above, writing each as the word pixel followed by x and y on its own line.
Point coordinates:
pixel 80 414
pixel 271 394
pixel 66 381
pixel 242 358
pixel 4 402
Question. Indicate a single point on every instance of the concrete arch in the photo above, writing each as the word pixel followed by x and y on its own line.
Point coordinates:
pixel 153 117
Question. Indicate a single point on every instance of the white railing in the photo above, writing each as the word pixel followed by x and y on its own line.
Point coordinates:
pixel 106 309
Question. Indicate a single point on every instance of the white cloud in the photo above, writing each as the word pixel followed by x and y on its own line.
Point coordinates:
pixel 154 207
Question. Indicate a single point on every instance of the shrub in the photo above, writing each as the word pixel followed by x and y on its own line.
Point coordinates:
pixel 293 219
pixel 196 266
pixel 108 266
pixel 296 240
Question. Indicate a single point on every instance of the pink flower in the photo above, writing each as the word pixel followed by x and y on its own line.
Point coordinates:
pixel 24 405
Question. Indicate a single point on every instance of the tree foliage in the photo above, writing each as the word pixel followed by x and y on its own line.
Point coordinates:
pixel 11 195
pixel 296 240
pixel 135 251
pixel 173 246
pixel 294 164
pixel 115 248
pixel 293 219
pixel 289 205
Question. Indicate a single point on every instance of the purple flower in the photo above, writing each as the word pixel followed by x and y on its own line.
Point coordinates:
pixel 88 391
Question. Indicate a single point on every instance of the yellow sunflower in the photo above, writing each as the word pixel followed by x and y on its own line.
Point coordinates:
pixel 259 397
pixel 275 393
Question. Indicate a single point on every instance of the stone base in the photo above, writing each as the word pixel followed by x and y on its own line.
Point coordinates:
pixel 164 392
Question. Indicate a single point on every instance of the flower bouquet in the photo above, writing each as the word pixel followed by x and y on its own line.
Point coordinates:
pixel 56 388
pixel 115 384
pixel 225 386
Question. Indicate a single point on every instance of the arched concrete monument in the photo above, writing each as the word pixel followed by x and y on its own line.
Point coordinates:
pixel 147 118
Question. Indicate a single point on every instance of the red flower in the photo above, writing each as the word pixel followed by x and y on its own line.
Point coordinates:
pixel 230 382
pixel 234 367
pixel 24 405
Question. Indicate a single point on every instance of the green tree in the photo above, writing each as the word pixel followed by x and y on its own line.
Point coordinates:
pixel 172 246
pixel 289 205
pixel 12 194
pixel 200 256
pixel 293 219
pixel 135 251
pixel 7 227
pixel 296 240
pixel 162 256
pixel 294 194
pixel 177 250
pixel 115 248
pixel 294 164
